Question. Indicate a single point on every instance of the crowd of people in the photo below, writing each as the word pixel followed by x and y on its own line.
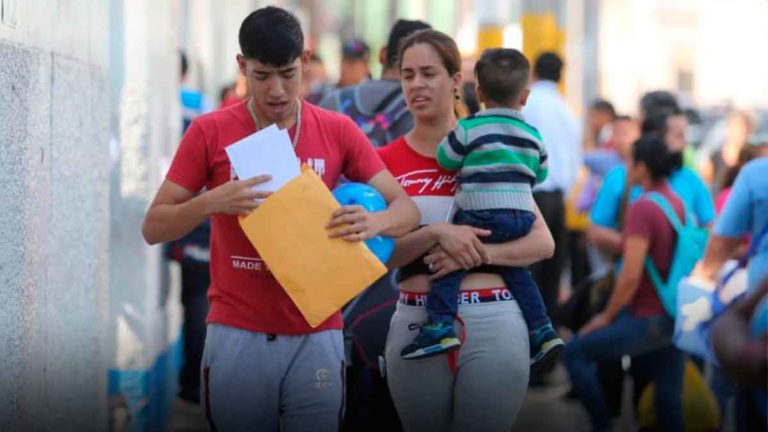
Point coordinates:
pixel 488 201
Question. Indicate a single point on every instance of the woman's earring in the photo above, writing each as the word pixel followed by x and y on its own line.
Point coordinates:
pixel 456 95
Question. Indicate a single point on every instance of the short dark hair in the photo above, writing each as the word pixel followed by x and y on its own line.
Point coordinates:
pixel 502 74
pixel 401 30
pixel 272 36
pixel 605 106
pixel 356 49
pixel 314 58
pixel 652 151
pixel 655 123
pixel 548 67
pixel 657 100
pixel 622 117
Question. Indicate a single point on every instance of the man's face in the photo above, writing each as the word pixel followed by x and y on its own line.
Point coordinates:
pixel 274 89
pixel 675 136
pixel 625 132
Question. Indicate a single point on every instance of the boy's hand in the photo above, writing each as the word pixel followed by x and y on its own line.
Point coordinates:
pixel 356 224
pixel 236 197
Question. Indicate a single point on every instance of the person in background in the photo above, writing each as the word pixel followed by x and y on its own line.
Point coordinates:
pixel 634 321
pixel 740 341
pixel 739 125
pixel 317 75
pixel 378 106
pixel 547 111
pixel 659 101
pixel 355 68
pixel 235 93
pixel 600 117
pixel 757 146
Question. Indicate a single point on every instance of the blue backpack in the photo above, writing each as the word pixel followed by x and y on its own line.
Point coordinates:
pixel 689 249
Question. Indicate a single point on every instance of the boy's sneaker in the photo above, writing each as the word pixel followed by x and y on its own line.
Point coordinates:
pixel 433 339
pixel 546 347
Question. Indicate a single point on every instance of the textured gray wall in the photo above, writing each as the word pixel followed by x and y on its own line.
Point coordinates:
pixel 54 204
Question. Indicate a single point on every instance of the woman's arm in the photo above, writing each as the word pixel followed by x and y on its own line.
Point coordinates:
pixel 458 241
pixel 635 251
pixel 537 245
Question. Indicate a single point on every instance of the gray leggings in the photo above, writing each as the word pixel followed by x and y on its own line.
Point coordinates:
pixel 490 382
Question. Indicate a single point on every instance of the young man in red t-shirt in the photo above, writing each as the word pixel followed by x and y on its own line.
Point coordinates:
pixel 264 367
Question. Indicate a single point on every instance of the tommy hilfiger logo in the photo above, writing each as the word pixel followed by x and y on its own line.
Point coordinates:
pixel 425 180
pixel 465 297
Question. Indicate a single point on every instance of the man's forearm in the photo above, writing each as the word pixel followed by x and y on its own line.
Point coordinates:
pixel 411 247
pixel 167 222
pixel 536 246
pixel 400 218
pixel 719 250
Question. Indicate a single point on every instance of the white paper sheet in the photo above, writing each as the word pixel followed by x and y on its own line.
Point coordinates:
pixel 268 151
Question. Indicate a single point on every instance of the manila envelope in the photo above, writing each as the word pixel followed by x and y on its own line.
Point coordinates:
pixel 320 274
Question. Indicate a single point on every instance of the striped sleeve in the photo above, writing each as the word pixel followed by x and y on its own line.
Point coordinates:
pixel 452 149
pixel 543 170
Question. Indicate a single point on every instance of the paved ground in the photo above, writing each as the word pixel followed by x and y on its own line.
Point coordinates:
pixel 545 409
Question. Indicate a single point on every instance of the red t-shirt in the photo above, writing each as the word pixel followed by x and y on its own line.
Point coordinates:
pixel 430 186
pixel 645 219
pixel 243 292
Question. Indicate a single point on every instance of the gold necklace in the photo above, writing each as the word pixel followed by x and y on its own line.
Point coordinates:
pixel 252 110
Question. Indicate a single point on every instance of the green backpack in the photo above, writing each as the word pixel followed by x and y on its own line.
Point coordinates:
pixel 689 249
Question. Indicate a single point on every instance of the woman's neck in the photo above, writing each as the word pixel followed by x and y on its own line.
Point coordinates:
pixel 426 135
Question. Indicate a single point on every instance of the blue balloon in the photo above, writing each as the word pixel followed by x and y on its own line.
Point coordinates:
pixel 371 200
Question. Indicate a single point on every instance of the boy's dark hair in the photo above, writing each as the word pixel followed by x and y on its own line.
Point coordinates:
pixel 314 58
pixel 549 67
pixel 502 74
pixel 604 106
pixel 652 151
pixel 272 36
pixel 401 30
pixel 622 117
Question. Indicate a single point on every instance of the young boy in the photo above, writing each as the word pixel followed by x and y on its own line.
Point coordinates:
pixel 499 158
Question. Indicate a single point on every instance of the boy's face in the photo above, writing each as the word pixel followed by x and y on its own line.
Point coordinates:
pixel 274 89
pixel 675 136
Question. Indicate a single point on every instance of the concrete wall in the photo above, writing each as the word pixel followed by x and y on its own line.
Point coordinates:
pixel 55 212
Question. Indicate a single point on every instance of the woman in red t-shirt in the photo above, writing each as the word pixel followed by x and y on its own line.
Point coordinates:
pixel 634 321
pixel 483 386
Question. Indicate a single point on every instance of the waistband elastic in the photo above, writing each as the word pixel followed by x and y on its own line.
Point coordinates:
pixel 476 296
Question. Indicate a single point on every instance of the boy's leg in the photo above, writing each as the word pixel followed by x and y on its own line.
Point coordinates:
pixel 313 388
pixel 438 336
pixel 545 343
pixel 443 299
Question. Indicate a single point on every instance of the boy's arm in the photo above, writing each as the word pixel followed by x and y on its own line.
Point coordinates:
pixel 543 171
pixel 452 149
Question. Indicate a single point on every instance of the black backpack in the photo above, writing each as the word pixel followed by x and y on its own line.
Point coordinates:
pixel 376 125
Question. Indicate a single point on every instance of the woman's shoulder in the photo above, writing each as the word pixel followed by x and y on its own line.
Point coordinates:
pixel 390 151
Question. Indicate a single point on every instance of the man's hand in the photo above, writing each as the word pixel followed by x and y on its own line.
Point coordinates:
pixel 236 197
pixel 356 224
pixel 461 242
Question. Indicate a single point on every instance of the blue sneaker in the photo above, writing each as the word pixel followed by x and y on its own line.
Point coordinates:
pixel 546 347
pixel 433 339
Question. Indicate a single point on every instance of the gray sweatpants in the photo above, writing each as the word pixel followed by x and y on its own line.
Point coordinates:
pixel 257 382
pixel 491 379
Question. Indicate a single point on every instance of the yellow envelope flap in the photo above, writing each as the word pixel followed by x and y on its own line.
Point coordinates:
pixel 318 273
